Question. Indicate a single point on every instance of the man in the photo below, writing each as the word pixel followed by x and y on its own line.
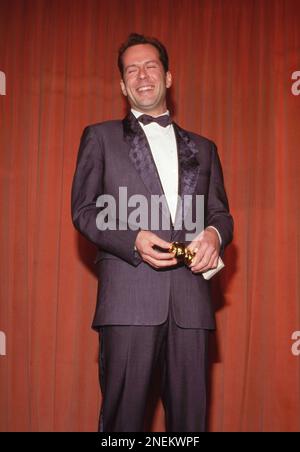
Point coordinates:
pixel 153 311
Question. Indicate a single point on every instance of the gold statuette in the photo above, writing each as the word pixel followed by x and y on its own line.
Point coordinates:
pixel 181 252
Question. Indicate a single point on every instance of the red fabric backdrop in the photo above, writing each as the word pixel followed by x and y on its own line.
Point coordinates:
pixel 232 63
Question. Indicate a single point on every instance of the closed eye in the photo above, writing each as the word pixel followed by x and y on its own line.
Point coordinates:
pixel 131 70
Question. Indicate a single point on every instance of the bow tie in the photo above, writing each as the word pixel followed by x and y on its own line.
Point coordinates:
pixel 163 121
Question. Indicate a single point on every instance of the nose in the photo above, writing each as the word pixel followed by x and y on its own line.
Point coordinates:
pixel 142 73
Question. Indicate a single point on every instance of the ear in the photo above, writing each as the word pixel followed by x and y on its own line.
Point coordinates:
pixel 168 79
pixel 123 88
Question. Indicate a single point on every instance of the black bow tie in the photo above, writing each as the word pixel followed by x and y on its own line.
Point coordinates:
pixel 163 121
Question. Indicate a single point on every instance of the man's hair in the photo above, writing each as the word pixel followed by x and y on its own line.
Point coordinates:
pixel 136 39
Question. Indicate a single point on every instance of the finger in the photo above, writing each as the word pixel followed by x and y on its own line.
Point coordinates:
pixel 160 256
pixel 202 263
pixel 161 243
pixel 211 263
pixel 194 247
pixel 200 253
pixel 194 262
pixel 161 263
pixel 215 262
pixel 206 263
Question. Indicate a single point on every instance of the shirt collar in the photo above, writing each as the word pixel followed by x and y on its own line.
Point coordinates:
pixel 139 113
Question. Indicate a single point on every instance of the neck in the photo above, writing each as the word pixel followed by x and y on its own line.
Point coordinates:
pixel 152 112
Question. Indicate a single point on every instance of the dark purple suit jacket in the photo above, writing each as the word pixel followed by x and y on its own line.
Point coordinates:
pixel 116 154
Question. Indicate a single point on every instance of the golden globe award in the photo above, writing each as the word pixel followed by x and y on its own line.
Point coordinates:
pixel 181 252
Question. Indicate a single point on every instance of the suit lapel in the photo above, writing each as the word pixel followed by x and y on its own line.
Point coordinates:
pixel 188 168
pixel 141 155
pixel 142 159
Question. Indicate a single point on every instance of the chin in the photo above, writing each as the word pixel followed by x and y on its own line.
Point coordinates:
pixel 145 106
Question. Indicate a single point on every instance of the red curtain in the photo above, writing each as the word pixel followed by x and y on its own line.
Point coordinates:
pixel 232 63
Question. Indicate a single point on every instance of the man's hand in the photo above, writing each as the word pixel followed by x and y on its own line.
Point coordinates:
pixel 207 248
pixel 144 243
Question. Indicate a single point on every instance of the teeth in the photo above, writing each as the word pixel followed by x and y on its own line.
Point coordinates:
pixel 145 88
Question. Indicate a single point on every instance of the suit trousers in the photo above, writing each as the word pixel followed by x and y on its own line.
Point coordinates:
pixel 129 357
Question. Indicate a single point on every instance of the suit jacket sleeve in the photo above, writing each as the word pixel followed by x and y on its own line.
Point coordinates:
pixel 87 187
pixel 217 204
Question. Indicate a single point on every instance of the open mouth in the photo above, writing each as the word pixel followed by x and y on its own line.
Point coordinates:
pixel 145 89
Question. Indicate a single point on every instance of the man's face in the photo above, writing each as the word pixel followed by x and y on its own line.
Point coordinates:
pixel 144 79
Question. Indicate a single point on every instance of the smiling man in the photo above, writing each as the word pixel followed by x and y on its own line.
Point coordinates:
pixel 144 79
pixel 153 311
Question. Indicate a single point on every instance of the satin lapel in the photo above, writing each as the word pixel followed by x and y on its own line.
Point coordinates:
pixel 141 156
pixel 188 171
